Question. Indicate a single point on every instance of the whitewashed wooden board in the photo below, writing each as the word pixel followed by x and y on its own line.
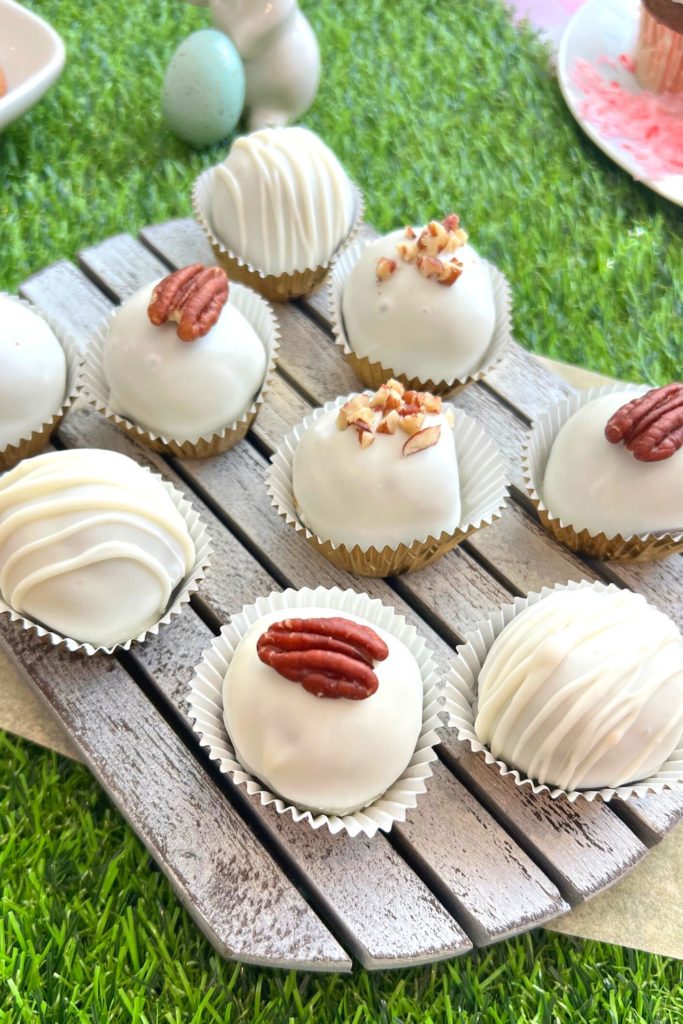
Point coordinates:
pixel 478 859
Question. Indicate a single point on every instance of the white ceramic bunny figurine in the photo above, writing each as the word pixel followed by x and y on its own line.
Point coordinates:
pixel 280 54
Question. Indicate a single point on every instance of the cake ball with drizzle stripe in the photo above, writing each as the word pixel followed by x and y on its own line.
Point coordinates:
pixel 584 690
pixel 91 545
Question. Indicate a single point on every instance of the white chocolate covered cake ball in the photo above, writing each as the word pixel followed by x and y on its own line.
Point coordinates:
pixel 630 484
pixel 180 360
pixel 584 690
pixel 32 372
pixel 323 708
pixel 281 200
pixel 383 470
pixel 91 545
pixel 420 303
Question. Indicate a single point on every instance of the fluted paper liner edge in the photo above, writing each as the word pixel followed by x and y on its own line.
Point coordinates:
pixel 642 547
pixel 276 287
pixel 483 493
pixel 461 700
pixel 186 588
pixel 374 374
pixel 257 311
pixel 25 447
pixel 206 708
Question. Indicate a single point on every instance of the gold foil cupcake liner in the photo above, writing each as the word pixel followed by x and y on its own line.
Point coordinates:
pixel 374 374
pixel 461 707
pixel 179 599
pixel 483 490
pixel 96 389
pixel 276 287
pixel 24 447
pixel 206 708
pixel 642 547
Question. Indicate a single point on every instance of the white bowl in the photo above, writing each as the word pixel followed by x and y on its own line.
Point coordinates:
pixel 31 58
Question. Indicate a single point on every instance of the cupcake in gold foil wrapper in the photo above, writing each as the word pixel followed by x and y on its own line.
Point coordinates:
pixel 43 379
pixel 420 306
pixel 236 366
pixel 604 481
pixel 408 493
pixel 569 698
pixel 277 211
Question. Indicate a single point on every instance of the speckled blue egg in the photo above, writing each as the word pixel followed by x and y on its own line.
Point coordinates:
pixel 203 92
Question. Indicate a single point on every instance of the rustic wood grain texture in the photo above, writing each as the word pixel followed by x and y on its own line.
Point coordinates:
pixel 581 853
pixel 475 867
pixel 582 847
pixel 234 890
pixel 653 816
pixel 120 266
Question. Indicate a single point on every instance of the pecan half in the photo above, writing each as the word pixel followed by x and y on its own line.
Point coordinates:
pixel 329 657
pixel 651 426
pixel 192 297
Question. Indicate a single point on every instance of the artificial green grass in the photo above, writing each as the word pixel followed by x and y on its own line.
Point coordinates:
pixel 90 932
pixel 431 107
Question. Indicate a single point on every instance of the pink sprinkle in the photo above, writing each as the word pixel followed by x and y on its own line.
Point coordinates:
pixel 648 126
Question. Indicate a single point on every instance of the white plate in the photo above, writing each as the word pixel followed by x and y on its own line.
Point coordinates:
pixel 31 57
pixel 607 28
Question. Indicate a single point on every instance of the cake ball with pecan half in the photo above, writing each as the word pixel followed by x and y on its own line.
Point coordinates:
pixel 179 358
pixel 323 707
pixel 616 465
pixel 382 470
pixel 420 303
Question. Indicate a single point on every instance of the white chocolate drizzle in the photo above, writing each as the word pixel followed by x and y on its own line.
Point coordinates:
pixel 575 685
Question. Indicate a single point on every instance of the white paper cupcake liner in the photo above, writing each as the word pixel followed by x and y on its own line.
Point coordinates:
pixel 374 374
pixel 483 490
pixel 544 430
pixel 96 390
pixel 461 706
pixel 206 708
pixel 24 447
pixel 183 593
pixel 276 287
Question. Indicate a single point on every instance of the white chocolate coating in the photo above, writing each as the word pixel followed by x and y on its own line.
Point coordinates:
pixel 375 496
pixel 32 372
pixel 91 545
pixel 584 690
pixel 592 484
pixel 281 200
pixel 179 389
pixel 412 324
pixel 323 754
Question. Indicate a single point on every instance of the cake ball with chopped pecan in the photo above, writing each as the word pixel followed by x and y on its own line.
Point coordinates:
pixel 382 470
pixel 420 302
pixel 180 359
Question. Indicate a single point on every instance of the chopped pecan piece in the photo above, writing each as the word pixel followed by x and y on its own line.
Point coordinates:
pixel 651 427
pixel 422 439
pixel 385 268
pixel 192 297
pixel 330 657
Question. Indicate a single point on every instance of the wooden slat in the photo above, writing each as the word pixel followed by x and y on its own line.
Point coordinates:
pixel 237 894
pixel 582 851
pixel 517 548
pixel 111 261
pixel 474 865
